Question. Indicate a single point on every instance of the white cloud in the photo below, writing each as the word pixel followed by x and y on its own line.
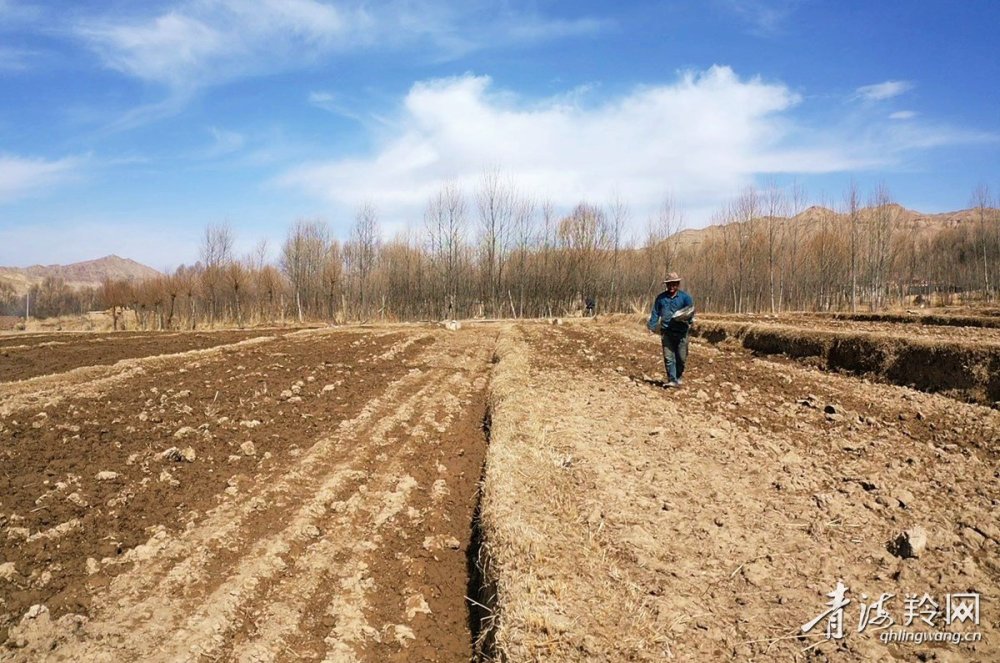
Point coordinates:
pixel 700 137
pixel 882 91
pixel 20 176
pixel 903 115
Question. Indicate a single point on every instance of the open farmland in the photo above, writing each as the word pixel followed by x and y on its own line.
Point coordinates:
pixel 313 495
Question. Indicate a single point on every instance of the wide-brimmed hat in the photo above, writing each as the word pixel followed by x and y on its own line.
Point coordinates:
pixel 672 277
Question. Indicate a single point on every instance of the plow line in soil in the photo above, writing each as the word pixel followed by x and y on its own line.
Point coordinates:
pixel 90 381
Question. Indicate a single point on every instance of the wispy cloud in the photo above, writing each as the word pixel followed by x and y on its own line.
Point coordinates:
pixel 903 115
pixel 211 41
pixel 882 91
pixel 16 59
pixel 224 143
pixel 20 176
pixel 536 28
pixel 203 42
pixel 13 12
pixel 763 17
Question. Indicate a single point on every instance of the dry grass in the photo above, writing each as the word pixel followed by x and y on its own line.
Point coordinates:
pixel 96 321
pixel 559 590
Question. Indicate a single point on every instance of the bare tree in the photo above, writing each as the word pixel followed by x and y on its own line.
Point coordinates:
pixel 774 226
pixel 496 203
pixel 982 203
pixel 302 258
pixel 216 253
pixel 740 234
pixel 445 219
pixel 364 248
pixel 333 268
pixel 662 239
pixel 546 278
pixel 585 237
pixel 882 223
pixel 793 243
pixel 237 275
pixel 115 295
pixel 620 215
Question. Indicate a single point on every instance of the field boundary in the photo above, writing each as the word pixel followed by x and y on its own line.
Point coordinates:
pixel 965 371
pixel 932 319
pixel 509 369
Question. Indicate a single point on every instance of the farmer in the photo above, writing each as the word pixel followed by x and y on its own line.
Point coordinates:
pixel 673 313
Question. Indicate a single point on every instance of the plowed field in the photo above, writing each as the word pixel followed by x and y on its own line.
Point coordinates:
pixel 324 512
pixel 313 495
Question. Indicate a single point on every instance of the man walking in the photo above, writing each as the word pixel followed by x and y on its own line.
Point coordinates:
pixel 673 313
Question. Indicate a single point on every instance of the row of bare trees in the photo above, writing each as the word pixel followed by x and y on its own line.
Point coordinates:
pixel 770 255
pixel 51 298
pixel 501 253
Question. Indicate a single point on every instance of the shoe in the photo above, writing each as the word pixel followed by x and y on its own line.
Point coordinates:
pixel 673 384
pixel 679 382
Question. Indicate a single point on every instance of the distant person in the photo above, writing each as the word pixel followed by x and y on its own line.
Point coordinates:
pixel 589 303
pixel 673 313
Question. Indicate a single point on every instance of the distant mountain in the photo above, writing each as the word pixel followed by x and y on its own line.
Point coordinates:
pixel 78 274
pixel 907 223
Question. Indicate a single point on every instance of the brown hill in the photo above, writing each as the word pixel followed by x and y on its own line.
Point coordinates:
pixel 908 222
pixel 78 274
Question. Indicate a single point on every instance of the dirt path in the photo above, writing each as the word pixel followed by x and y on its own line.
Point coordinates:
pixel 711 522
pixel 340 534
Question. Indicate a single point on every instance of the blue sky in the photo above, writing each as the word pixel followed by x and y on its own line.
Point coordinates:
pixel 128 127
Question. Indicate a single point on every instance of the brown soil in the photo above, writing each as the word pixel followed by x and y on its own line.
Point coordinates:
pixel 327 513
pixel 343 530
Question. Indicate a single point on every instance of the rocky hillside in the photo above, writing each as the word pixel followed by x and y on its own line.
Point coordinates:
pixel 78 274
pixel 908 222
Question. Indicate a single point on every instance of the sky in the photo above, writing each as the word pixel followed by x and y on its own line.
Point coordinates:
pixel 128 128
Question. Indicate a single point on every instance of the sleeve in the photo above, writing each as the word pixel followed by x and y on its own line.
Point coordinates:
pixel 654 317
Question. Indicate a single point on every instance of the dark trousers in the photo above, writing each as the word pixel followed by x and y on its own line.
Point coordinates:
pixel 675 352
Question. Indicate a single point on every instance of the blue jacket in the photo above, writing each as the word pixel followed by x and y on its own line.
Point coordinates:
pixel 664 307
